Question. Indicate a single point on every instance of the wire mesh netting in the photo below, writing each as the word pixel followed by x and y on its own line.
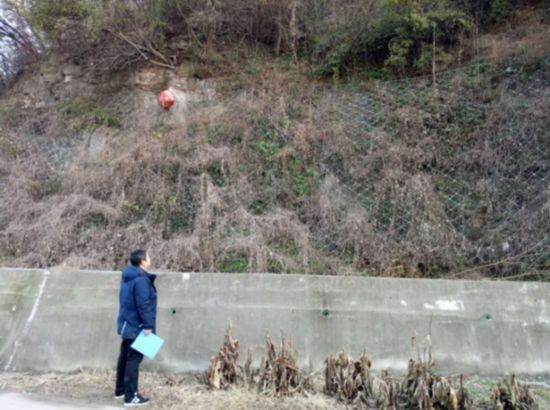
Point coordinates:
pixel 439 181
pixel 414 179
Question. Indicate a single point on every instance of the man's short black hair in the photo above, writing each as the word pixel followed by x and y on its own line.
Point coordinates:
pixel 137 257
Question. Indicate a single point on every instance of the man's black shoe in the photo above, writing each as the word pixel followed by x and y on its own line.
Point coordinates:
pixel 136 401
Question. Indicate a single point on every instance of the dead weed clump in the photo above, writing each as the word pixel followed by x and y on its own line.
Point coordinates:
pixel 223 370
pixel 509 394
pixel 353 382
pixel 279 374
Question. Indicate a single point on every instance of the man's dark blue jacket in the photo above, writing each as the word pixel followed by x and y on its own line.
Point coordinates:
pixel 138 302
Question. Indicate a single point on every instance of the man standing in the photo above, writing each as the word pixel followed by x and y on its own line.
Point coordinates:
pixel 138 311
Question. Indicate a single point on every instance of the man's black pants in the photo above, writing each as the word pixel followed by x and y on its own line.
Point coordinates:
pixel 127 370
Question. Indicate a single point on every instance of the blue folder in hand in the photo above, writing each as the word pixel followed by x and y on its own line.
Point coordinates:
pixel 149 346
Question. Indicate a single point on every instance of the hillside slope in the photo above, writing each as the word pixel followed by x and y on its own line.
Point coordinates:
pixel 267 170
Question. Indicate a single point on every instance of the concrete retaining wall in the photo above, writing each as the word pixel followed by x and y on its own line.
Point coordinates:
pixel 65 320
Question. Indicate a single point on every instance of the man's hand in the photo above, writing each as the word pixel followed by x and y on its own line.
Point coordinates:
pixel 147 332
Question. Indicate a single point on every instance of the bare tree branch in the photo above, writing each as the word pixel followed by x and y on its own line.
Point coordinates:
pixel 140 49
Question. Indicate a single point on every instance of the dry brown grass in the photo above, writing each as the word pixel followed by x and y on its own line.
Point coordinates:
pixel 166 392
pixel 92 210
pixel 526 36
pixel 183 391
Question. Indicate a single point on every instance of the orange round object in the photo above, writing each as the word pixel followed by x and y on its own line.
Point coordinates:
pixel 166 99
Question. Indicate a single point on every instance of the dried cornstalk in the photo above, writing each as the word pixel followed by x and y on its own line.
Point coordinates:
pixel 352 382
pixel 443 394
pixel 223 370
pixel 250 373
pixel 421 389
pixel 463 397
pixel 278 374
pixel 509 394
pixel 416 385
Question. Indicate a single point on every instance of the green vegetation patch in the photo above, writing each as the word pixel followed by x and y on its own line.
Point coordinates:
pixel 81 114
pixel 233 262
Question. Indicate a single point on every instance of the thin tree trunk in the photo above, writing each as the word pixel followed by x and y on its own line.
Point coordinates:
pixel 279 34
pixel 434 84
pixel 294 31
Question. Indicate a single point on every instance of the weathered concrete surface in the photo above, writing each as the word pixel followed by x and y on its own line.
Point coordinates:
pixel 480 327
pixel 18 291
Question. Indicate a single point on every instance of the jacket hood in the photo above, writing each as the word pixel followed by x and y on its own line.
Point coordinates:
pixel 131 272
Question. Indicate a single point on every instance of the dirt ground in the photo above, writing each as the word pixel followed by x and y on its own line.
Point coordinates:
pixel 184 392
pixel 166 392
